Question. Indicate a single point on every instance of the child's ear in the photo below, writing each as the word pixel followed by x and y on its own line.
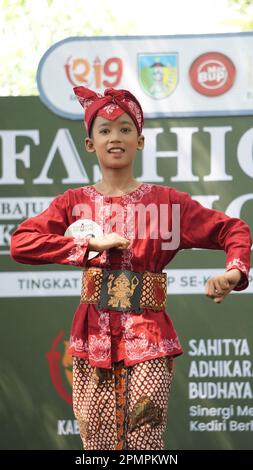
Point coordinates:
pixel 89 145
pixel 140 145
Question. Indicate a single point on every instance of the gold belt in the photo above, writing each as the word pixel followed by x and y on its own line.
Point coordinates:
pixel 124 290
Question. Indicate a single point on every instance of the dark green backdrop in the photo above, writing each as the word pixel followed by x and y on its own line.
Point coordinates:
pixel 34 372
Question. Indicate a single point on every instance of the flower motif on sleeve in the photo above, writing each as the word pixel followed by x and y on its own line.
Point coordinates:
pixel 77 253
pixel 237 263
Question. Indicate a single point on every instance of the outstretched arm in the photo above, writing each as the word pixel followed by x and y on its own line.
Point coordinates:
pixel 212 229
pixel 218 287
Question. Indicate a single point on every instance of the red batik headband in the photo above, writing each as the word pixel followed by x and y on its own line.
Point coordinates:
pixel 110 106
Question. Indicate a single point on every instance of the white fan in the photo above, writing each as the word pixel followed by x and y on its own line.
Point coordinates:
pixel 85 228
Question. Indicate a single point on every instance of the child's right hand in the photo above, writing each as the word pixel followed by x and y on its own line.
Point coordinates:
pixel 111 240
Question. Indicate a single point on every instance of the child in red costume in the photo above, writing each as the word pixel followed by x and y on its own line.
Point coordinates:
pixel 122 339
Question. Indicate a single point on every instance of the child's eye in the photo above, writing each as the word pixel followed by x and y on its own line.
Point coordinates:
pixel 104 131
pixel 125 130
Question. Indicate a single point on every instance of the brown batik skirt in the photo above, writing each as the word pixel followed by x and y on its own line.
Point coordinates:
pixel 123 407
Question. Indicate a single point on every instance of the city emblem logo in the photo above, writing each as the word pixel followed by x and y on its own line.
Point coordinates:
pixel 158 74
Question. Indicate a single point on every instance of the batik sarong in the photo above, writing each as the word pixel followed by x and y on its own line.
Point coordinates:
pixel 123 407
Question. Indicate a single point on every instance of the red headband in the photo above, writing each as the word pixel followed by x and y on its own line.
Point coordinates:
pixel 110 106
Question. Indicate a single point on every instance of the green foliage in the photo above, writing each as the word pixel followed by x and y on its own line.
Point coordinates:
pixel 244 14
pixel 29 27
pixel 242 5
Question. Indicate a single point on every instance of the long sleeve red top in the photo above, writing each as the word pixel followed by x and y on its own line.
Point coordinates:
pixel 104 336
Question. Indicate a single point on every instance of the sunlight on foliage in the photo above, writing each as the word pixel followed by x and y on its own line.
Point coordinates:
pixel 243 14
pixel 29 27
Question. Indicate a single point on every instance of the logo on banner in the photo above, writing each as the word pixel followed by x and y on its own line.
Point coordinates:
pixel 212 74
pixel 158 74
pixel 60 367
pixel 96 74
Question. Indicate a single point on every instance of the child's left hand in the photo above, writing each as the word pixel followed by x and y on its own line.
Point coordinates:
pixel 218 287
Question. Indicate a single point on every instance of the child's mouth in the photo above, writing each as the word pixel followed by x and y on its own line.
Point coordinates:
pixel 116 150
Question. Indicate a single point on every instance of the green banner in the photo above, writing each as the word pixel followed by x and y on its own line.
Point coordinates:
pixel 43 155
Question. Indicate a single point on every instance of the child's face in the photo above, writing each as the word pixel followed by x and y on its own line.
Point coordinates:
pixel 115 142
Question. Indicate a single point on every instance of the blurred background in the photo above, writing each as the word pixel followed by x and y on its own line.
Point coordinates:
pixel 42 155
pixel 28 28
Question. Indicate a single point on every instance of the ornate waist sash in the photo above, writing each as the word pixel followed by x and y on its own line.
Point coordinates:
pixel 124 290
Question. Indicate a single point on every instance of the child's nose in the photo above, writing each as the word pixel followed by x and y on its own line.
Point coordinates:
pixel 115 136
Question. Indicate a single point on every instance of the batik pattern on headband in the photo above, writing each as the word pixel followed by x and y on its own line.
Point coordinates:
pixel 111 105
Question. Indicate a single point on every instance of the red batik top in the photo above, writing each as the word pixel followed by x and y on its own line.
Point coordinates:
pixel 104 336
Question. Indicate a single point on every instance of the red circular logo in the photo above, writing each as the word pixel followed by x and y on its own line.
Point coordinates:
pixel 212 74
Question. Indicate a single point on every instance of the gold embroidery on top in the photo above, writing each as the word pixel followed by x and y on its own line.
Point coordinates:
pixel 121 292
